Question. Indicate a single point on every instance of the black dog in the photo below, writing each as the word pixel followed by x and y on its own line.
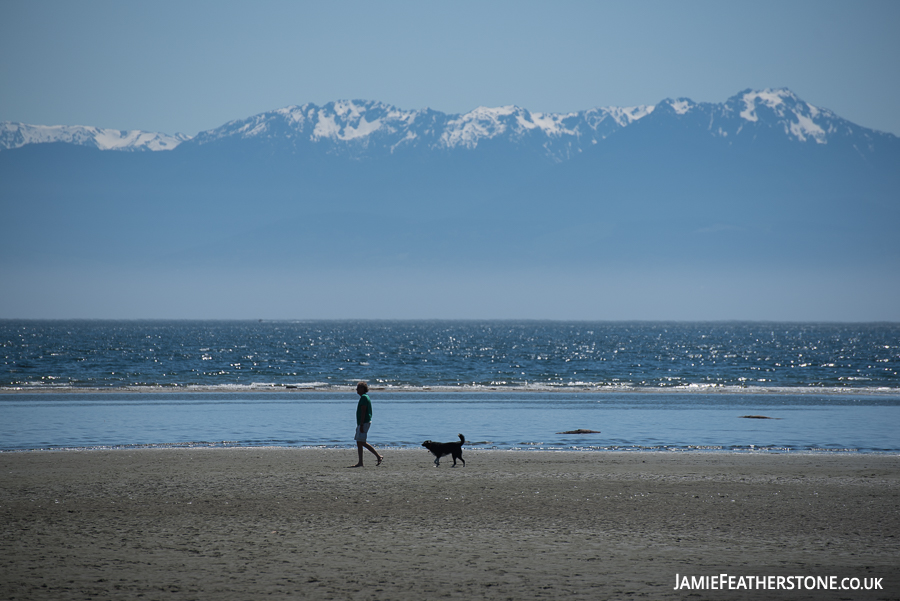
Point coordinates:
pixel 440 449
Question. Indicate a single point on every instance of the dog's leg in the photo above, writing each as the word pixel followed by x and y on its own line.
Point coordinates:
pixel 437 462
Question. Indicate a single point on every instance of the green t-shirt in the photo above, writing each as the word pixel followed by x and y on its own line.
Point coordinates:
pixel 364 410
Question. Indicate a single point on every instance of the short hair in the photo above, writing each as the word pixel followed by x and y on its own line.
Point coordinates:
pixel 362 385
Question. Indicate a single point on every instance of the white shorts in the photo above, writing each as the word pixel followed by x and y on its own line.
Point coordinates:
pixel 361 431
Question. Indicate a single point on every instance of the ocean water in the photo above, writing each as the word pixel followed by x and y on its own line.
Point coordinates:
pixel 505 385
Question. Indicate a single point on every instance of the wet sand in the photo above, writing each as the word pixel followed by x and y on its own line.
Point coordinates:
pixel 253 523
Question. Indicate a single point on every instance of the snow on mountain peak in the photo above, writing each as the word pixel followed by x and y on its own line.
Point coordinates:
pixel 469 129
pixel 799 119
pixel 621 116
pixel 15 135
pixel 353 123
pixel 681 106
pixel 342 120
pixel 770 98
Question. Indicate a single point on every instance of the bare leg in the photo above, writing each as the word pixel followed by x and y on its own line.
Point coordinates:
pixel 359 449
pixel 374 452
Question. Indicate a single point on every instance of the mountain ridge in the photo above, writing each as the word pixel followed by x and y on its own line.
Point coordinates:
pixel 16 135
pixel 361 128
pixel 746 201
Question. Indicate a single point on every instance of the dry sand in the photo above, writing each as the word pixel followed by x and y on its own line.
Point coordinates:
pixel 253 523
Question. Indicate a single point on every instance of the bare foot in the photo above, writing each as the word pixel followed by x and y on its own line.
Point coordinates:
pixel 357 465
pixel 380 459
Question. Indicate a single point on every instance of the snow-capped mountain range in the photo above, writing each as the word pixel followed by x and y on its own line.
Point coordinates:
pixel 763 183
pixel 360 128
pixel 16 135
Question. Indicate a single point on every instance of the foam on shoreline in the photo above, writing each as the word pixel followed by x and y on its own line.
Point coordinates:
pixel 317 387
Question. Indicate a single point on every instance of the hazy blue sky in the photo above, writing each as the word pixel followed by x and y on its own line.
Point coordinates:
pixel 175 66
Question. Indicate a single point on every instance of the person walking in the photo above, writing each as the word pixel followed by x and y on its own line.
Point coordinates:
pixel 363 422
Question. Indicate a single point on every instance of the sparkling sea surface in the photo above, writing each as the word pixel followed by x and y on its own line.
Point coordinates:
pixel 503 384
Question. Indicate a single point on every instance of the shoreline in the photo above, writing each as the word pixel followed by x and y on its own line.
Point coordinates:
pixel 243 522
pixel 698 389
pixel 761 451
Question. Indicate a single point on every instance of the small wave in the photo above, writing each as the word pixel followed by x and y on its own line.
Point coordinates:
pixel 700 389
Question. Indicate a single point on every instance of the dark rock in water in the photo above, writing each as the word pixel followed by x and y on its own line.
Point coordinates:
pixel 757 417
pixel 580 431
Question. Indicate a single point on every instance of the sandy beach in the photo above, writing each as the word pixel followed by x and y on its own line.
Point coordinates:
pixel 253 523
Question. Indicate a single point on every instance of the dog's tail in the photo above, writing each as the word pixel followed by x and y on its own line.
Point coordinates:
pixel 462 439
